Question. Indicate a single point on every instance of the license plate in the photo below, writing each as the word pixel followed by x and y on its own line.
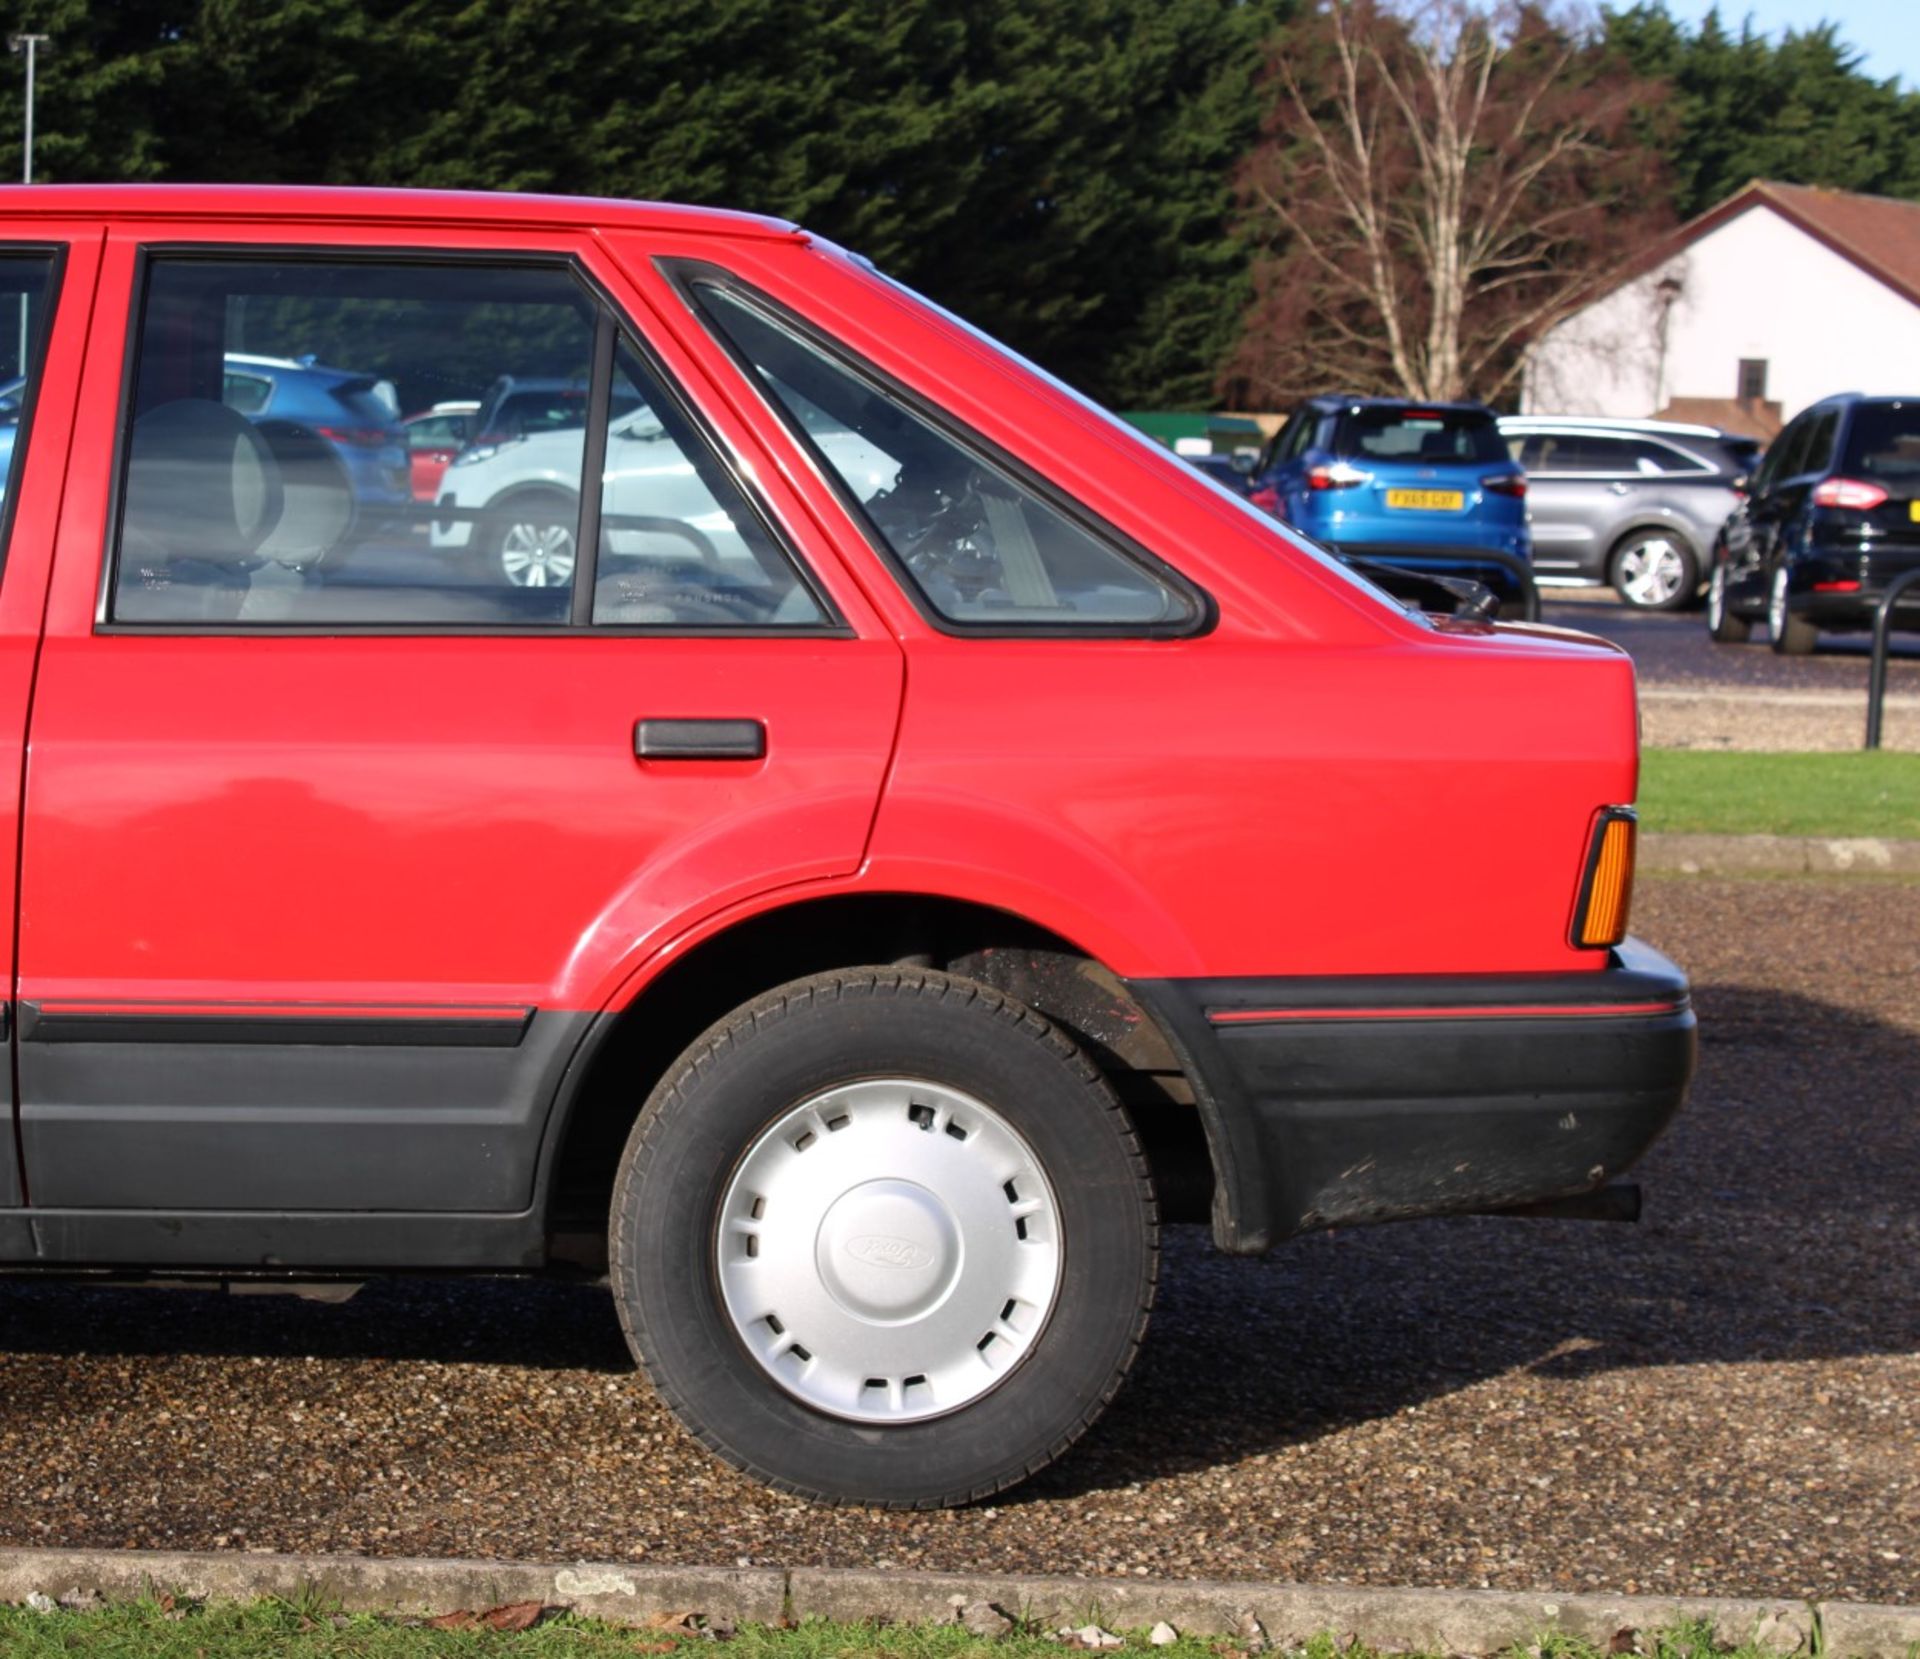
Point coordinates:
pixel 1913 510
pixel 1442 501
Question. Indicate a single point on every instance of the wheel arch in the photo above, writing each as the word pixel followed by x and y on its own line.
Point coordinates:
pixel 1676 527
pixel 629 1047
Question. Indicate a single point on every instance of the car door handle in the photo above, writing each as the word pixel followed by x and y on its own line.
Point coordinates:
pixel 1620 489
pixel 700 739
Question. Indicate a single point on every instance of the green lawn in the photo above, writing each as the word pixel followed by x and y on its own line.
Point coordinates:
pixel 308 1629
pixel 1864 793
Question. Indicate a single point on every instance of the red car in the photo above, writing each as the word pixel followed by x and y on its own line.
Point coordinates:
pixel 434 437
pixel 923 822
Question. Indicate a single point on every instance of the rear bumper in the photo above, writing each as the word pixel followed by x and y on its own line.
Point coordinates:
pixel 1466 559
pixel 1340 1101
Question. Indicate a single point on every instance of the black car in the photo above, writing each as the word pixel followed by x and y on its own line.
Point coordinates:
pixel 1831 518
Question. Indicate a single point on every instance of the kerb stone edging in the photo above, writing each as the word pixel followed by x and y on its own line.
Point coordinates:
pixel 1447 1621
pixel 1672 853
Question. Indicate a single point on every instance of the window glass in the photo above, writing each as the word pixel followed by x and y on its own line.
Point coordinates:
pixel 266 477
pixel 1819 453
pixel 25 303
pixel 1651 456
pixel 980 546
pixel 1420 435
pixel 679 546
pixel 1581 452
pixel 1883 443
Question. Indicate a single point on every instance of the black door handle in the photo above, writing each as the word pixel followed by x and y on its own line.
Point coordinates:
pixel 700 739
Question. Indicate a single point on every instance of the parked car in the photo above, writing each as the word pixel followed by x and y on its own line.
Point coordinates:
pixel 855 956
pixel 355 415
pixel 1633 505
pixel 1423 487
pixel 1235 472
pixel 1832 516
pixel 513 499
pixel 434 437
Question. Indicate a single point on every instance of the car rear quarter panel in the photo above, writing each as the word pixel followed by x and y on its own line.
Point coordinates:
pixel 1316 784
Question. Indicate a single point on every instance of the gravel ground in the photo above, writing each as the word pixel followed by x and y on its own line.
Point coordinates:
pixel 1724 1399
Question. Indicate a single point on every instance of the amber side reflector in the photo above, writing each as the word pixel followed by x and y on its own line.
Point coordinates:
pixel 1601 920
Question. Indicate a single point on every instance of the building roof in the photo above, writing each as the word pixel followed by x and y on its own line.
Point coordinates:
pixel 1880 234
pixel 285 203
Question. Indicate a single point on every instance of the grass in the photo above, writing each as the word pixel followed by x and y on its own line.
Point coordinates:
pixel 307 1628
pixel 1862 793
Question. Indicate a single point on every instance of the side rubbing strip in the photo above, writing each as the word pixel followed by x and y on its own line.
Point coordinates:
pixel 334 1024
pixel 1512 1011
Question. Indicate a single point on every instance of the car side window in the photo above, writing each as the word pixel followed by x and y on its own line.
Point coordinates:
pixel 680 546
pixel 26 294
pixel 1787 457
pixel 297 507
pixel 1654 458
pixel 979 546
pixel 1819 453
pixel 1572 453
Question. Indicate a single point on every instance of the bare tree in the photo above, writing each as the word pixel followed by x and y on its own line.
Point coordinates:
pixel 1436 184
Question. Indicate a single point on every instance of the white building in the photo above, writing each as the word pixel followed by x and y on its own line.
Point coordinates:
pixel 1777 297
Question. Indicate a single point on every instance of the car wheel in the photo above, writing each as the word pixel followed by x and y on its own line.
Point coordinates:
pixel 531 543
pixel 1722 624
pixel 884 1237
pixel 1655 570
pixel 1793 636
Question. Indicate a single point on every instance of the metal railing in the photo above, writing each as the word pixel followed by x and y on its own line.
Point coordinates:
pixel 1882 641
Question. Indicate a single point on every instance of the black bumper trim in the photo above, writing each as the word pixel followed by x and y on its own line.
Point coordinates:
pixel 1339 1101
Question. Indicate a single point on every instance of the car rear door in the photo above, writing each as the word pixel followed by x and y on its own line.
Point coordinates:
pixel 1578 488
pixel 337 841
pixel 47 273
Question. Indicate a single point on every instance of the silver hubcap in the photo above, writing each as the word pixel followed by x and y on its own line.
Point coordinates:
pixel 1777 603
pixel 537 555
pixel 1651 572
pixel 889 1250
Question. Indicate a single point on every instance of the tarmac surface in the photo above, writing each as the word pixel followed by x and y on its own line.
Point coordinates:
pixel 1723 1399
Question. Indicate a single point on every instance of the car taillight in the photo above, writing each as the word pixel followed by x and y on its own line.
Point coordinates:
pixel 1847 492
pixel 1606 892
pixel 1339 476
pixel 1266 498
pixel 1506 483
pixel 360 437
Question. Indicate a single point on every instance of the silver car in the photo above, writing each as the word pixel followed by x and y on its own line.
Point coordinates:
pixel 1632 503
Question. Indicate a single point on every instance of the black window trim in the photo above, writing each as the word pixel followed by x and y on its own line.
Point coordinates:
pixel 607 310
pixel 34 371
pixel 684 275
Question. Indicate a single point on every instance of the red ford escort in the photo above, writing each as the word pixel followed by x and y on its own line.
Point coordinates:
pixel 812 819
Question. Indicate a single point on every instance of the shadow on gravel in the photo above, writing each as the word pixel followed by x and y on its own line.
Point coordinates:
pixel 1783 1214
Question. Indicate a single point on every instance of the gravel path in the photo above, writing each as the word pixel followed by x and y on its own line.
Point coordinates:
pixel 1724 1399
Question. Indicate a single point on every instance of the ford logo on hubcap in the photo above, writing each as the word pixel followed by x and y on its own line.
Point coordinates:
pixel 878 1250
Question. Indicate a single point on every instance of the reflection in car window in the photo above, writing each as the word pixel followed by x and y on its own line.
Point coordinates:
pixel 24 308
pixel 978 545
pixel 266 476
pixel 679 546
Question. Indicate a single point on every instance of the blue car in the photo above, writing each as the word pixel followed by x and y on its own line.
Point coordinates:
pixel 356 416
pixel 1420 486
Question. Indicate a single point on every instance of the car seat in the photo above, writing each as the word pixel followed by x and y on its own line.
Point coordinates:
pixel 202 493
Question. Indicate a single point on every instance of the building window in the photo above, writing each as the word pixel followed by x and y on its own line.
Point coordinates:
pixel 1753 380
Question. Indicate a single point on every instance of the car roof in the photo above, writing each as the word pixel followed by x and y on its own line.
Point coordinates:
pixel 288 203
pixel 1612 423
pixel 1355 400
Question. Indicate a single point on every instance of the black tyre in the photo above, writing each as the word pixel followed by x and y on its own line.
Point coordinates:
pixel 834 1189
pixel 1793 636
pixel 1722 624
pixel 1655 570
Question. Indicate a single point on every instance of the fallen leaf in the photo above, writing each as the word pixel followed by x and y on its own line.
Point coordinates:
pixel 516 1615
pixel 671 1621
pixel 1626 1640
pixel 462 1620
